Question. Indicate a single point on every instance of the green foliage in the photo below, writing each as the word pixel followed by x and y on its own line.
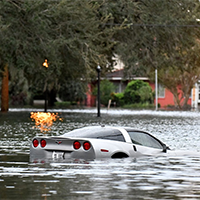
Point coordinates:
pixel 158 33
pixel 164 35
pixel 138 94
pixel 146 94
pixel 64 104
pixel 139 106
pixel 71 35
pixel 138 91
pixel 77 35
pixel 106 89
pixel 118 98
pixel 73 90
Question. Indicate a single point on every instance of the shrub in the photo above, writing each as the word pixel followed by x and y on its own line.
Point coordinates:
pixel 63 104
pixel 118 98
pixel 106 89
pixel 138 91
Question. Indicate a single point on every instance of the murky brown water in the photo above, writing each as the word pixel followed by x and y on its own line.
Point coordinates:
pixel 173 176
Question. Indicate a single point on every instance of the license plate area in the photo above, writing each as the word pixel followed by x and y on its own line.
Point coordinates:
pixel 58 155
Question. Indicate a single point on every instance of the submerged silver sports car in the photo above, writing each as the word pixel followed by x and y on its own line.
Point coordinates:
pixel 97 142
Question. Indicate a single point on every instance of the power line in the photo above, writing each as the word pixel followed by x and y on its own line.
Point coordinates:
pixel 157 25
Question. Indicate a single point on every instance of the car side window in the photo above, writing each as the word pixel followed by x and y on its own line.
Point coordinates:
pixel 116 136
pixel 110 134
pixel 144 139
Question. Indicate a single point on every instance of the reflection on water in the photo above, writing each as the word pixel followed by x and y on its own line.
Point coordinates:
pixel 172 176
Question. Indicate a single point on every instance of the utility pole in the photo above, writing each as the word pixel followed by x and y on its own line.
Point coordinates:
pixel 45 64
pixel 98 95
pixel 156 88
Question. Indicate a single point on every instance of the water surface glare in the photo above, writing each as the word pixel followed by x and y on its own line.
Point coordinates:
pixel 173 175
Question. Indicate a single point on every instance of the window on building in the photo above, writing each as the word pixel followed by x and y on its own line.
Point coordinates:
pixel 161 91
pixel 119 86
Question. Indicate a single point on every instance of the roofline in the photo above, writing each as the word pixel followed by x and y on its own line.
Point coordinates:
pixel 134 78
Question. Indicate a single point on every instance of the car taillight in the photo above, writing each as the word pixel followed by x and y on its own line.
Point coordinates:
pixel 86 145
pixel 35 143
pixel 77 145
pixel 43 143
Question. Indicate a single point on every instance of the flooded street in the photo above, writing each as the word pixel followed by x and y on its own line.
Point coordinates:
pixel 172 176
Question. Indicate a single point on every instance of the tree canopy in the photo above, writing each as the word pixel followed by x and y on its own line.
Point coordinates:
pixel 76 36
pixel 71 35
pixel 165 37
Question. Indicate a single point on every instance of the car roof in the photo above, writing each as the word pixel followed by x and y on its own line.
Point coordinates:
pixel 101 127
pixel 90 130
pixel 100 131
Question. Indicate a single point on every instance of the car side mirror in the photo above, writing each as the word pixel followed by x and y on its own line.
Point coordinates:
pixel 165 148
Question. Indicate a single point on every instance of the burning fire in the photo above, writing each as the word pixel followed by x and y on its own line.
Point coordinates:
pixel 44 120
pixel 45 63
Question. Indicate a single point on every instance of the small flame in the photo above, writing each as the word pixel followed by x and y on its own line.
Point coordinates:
pixel 44 120
pixel 45 63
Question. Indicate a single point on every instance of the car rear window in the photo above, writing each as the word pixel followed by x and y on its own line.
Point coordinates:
pixel 98 133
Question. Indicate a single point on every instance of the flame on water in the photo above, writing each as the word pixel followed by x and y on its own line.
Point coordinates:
pixel 44 120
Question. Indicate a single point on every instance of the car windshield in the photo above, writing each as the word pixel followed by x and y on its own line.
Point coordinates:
pixel 98 133
pixel 144 139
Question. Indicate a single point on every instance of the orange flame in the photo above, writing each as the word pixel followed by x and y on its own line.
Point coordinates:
pixel 44 120
pixel 45 63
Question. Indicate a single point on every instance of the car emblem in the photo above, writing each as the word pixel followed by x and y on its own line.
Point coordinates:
pixel 58 142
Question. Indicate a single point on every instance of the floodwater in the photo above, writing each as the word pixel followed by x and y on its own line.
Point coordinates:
pixel 174 176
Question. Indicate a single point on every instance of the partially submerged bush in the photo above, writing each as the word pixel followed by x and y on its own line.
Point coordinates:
pixel 63 104
pixel 138 91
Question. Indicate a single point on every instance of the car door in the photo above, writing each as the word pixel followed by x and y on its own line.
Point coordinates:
pixel 145 143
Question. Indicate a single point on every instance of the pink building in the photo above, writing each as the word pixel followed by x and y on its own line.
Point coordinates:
pixel 165 97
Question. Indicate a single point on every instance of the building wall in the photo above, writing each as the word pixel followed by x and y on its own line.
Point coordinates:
pixel 90 99
pixel 165 101
pixel 168 99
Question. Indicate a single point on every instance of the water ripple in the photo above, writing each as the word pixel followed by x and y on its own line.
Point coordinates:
pixel 175 175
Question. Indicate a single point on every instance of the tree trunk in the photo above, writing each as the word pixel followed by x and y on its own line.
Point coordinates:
pixel 5 90
pixel 52 97
pixel 185 106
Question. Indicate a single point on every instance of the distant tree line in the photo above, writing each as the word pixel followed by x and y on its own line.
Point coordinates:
pixel 76 36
